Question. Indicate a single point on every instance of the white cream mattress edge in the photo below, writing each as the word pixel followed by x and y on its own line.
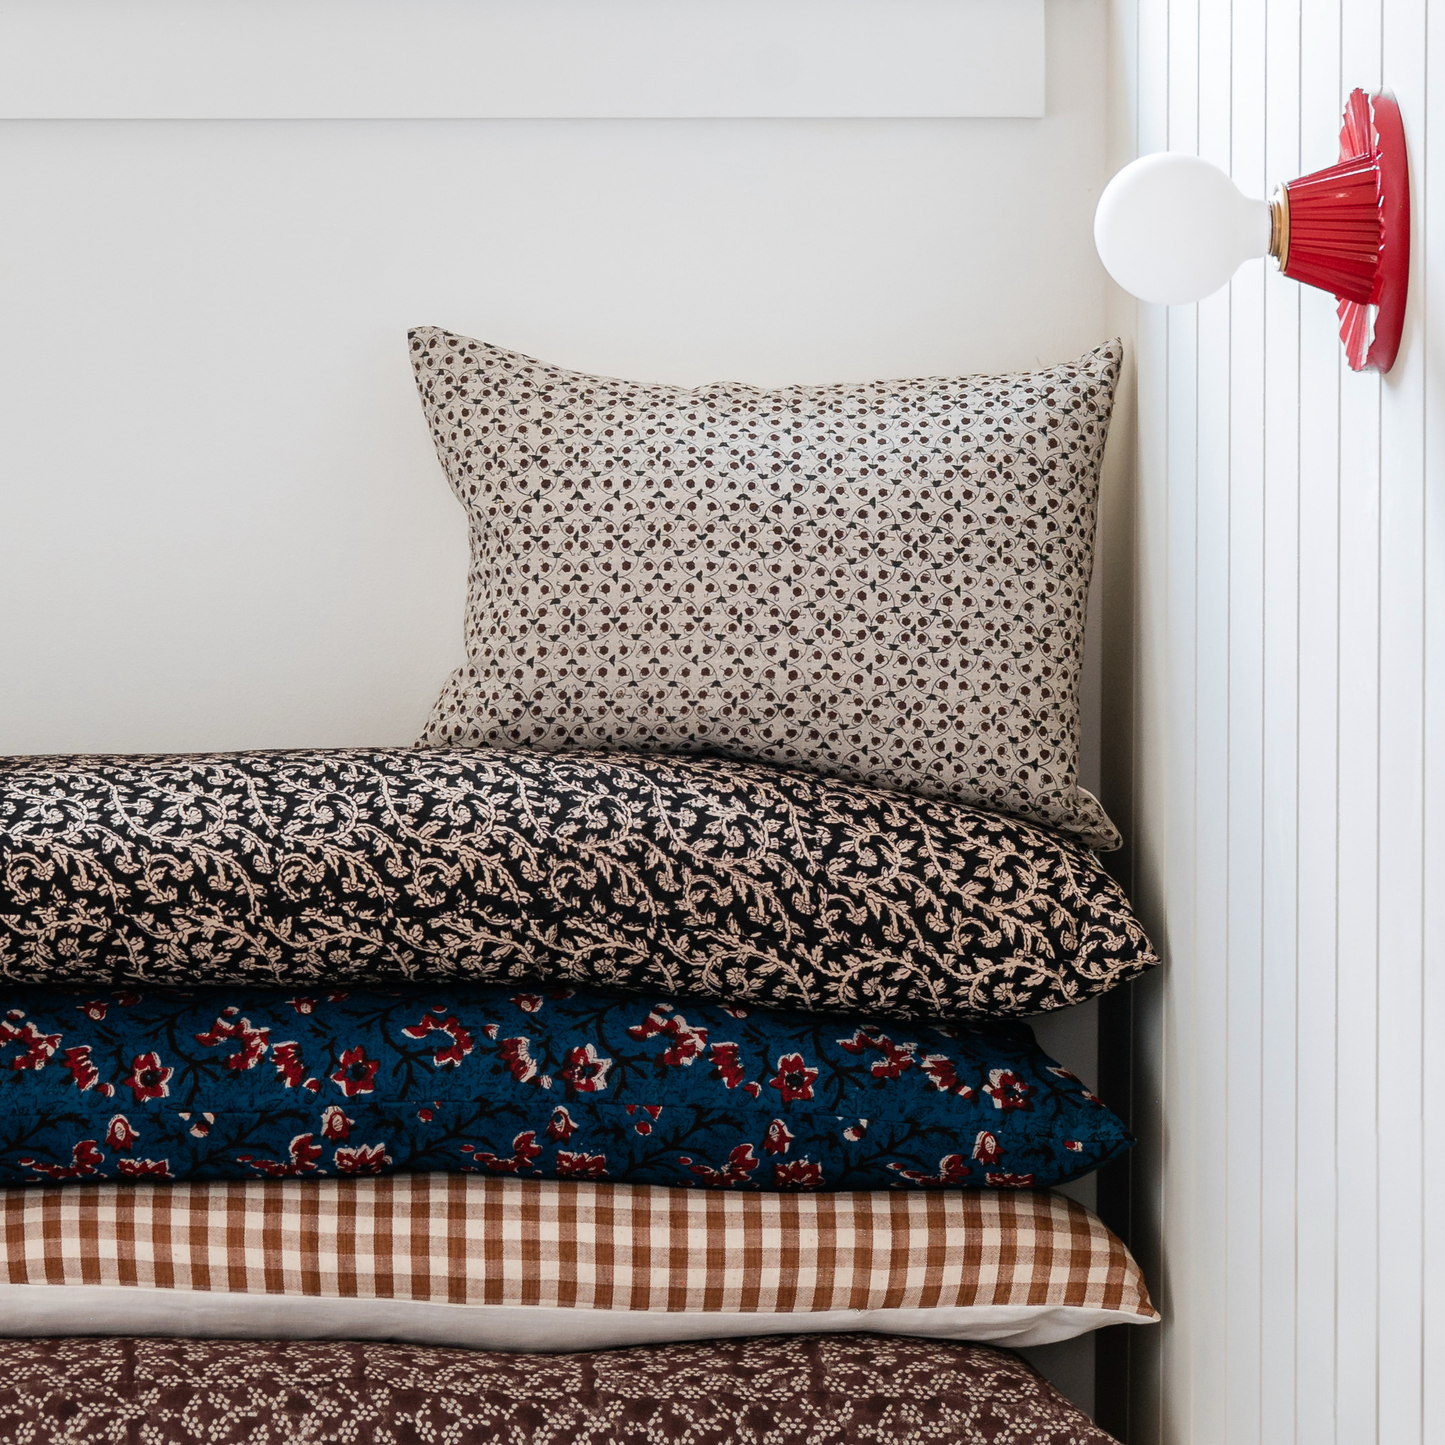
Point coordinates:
pixel 50 1310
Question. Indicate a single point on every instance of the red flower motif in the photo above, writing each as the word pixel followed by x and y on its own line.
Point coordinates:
pixel 425 1115
pixel 653 1112
pixel 287 1058
pixel 364 1159
pixel 1074 1146
pixel 38 1047
pixel 562 1126
pixel 95 1010
pixel 777 1138
pixel 202 1126
pixel 127 1000
pixel 302 1005
pixel 143 1168
pixel 516 1055
pixel 741 1162
pixel 461 1044
pixel 939 1068
pixel 581 1166
pixel 986 1148
pixel 688 1043
pixel 85 1158
pixel 794 1079
pixel 727 1065
pixel 304 1153
pixel 254 1042
pixel 76 1062
pixel 1010 1181
pixel 149 1079
pixel 525 1148
pixel 896 1057
pixel 798 1174
pixel 951 1170
pixel 356 1074
pixel 335 1126
pixel 1007 1090
pixel 119 1134
pixel 855 1131
pixel 585 1071
pixel 529 1003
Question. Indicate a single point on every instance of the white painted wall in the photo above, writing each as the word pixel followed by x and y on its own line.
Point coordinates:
pixel 1287 770
pixel 222 524
pixel 493 59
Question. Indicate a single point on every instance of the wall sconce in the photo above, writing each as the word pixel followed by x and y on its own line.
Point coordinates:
pixel 1174 229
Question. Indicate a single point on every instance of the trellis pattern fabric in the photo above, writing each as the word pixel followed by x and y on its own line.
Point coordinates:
pixel 685 876
pixel 813 1390
pixel 564 1083
pixel 882 582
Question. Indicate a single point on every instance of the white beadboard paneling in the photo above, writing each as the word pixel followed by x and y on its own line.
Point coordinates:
pixel 1317 768
pixel 1400 1201
pixel 1291 676
pixel 482 59
pixel 1279 801
pixel 1429 337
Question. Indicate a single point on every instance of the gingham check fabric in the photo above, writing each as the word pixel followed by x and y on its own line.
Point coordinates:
pixel 461 1239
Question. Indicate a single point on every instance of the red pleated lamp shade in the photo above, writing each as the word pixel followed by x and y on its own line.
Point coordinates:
pixel 1349 230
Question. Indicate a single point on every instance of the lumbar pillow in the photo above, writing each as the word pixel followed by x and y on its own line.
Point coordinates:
pixel 540 1082
pixel 191 1389
pixel 660 874
pixel 882 582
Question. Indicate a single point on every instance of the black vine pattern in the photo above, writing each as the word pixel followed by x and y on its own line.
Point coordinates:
pixel 882 582
pixel 805 1390
pixel 685 876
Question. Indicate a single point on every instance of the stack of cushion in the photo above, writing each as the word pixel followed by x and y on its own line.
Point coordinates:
pixel 671 989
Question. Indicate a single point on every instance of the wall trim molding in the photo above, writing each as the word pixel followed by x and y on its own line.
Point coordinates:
pixel 519 59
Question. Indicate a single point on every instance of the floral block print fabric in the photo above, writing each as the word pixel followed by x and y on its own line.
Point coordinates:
pixel 881 582
pixel 551 1083
pixel 809 1390
pixel 682 875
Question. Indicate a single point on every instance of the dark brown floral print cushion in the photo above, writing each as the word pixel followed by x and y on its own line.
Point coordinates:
pixel 807 1390
pixel 684 876
pixel 882 582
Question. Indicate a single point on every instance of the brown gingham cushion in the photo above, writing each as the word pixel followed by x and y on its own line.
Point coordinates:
pixel 989 1266
pixel 809 1390
pixel 884 582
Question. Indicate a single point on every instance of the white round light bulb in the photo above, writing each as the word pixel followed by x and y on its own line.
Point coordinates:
pixel 1174 228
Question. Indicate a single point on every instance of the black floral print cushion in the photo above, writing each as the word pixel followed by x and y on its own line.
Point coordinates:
pixel 684 876
pixel 884 582
pixel 551 1082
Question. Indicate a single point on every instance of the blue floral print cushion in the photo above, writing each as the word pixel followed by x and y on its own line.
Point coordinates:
pixel 550 1082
